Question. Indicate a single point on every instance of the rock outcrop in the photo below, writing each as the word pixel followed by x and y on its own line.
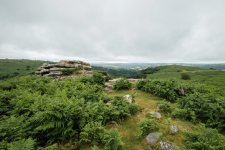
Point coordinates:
pixel 64 68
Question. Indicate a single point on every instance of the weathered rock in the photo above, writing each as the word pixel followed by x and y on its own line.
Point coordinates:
pixel 56 70
pixel 109 86
pixel 44 71
pixel 166 146
pixel 55 73
pixel 112 123
pixel 128 98
pixel 108 103
pixel 87 67
pixel 114 80
pixel 156 115
pixel 153 138
pixel 181 91
pixel 173 129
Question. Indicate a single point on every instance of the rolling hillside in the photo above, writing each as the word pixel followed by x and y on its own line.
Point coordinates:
pixel 212 78
pixel 14 67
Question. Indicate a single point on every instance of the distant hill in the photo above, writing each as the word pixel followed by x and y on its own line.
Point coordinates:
pixel 14 67
pixel 140 66
pixel 209 77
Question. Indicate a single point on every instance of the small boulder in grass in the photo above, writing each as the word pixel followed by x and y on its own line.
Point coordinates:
pixel 153 138
pixel 156 115
pixel 173 129
pixel 166 146
pixel 128 98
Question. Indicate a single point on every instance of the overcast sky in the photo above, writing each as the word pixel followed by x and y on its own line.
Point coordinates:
pixel 113 30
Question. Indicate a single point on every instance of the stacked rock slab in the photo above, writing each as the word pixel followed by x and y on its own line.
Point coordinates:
pixel 56 70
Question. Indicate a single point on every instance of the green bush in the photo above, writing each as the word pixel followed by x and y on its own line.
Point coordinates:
pixel 24 144
pixel 92 133
pixel 207 108
pixel 199 103
pixel 53 111
pixel 146 126
pixel 98 78
pixel 168 89
pixel 165 107
pixel 133 108
pixel 67 72
pixel 141 85
pixel 184 114
pixel 205 138
pixel 12 128
pixel 122 84
pixel 185 76
pixel 113 140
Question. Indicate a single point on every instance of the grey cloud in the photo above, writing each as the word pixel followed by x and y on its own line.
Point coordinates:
pixel 113 30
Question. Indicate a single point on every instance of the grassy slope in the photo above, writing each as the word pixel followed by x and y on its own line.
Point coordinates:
pixel 213 78
pixel 129 127
pixel 10 67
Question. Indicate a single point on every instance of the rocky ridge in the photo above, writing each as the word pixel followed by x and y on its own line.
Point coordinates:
pixel 64 68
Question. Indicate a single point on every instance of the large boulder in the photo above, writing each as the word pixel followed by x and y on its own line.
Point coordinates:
pixel 153 138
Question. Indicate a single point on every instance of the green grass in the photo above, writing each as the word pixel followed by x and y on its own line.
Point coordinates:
pixel 15 67
pixel 212 78
pixel 129 128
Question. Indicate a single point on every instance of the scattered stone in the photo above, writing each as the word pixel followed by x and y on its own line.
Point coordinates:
pixel 108 103
pixel 114 80
pixel 153 138
pixel 173 129
pixel 128 98
pixel 166 146
pixel 181 91
pixel 56 70
pixel 112 123
pixel 108 86
pixel 156 115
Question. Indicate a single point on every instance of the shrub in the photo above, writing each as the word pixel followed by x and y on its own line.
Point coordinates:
pixel 98 78
pixel 122 84
pixel 165 107
pixel 185 76
pixel 92 133
pixel 113 140
pixel 205 138
pixel 57 121
pixel 207 108
pixel 133 108
pixel 184 114
pixel 51 111
pixel 167 89
pixel 12 128
pixel 67 72
pixel 23 144
pixel 146 126
pixel 118 109
pixel 141 85
pixel 7 86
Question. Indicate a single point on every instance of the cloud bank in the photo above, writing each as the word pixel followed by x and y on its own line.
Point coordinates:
pixel 113 30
